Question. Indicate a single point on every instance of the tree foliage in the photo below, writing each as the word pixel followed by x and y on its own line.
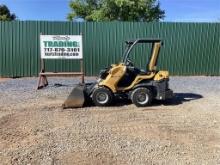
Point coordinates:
pixel 5 14
pixel 121 10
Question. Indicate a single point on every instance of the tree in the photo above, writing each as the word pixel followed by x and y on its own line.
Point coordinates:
pixel 5 14
pixel 121 10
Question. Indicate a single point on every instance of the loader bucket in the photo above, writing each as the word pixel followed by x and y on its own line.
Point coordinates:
pixel 76 99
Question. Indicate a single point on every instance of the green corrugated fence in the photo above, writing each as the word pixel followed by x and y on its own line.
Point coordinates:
pixel 189 48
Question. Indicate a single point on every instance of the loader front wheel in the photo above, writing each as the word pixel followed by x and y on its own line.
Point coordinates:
pixel 102 96
pixel 141 97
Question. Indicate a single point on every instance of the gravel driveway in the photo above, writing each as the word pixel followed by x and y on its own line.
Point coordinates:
pixel 34 129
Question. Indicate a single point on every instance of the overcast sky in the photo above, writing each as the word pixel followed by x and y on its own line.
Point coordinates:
pixel 176 10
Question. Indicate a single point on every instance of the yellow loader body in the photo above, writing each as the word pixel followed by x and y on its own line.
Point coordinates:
pixel 125 80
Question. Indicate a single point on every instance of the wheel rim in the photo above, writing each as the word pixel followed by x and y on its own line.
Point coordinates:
pixel 102 97
pixel 143 98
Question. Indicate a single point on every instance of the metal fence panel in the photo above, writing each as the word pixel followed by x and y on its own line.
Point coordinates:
pixel 189 48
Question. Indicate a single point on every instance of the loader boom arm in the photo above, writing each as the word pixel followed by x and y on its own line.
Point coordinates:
pixel 154 56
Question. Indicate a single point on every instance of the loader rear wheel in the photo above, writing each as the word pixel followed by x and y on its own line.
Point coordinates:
pixel 141 97
pixel 102 96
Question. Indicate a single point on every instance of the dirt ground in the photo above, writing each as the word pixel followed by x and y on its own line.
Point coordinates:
pixel 4 79
pixel 34 129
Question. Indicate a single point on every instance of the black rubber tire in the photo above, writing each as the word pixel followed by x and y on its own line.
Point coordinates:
pixel 141 92
pixel 107 96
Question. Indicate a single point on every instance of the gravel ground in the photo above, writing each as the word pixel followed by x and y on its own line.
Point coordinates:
pixel 34 129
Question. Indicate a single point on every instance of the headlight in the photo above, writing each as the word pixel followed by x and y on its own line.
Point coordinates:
pixel 99 80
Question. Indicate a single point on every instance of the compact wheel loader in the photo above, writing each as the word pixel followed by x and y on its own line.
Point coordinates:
pixel 124 80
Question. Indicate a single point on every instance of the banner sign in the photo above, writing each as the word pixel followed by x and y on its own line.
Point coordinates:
pixel 61 46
